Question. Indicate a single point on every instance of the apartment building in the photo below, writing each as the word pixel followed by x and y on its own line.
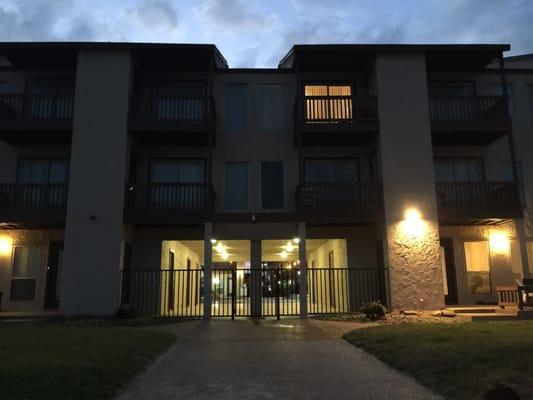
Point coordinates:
pixel 155 176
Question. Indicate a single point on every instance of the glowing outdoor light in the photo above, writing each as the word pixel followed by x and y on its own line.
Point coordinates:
pixel 499 242
pixel 283 254
pixel 5 246
pixel 413 225
pixel 289 247
pixel 224 255
pixel 219 247
pixel 296 240
pixel 213 241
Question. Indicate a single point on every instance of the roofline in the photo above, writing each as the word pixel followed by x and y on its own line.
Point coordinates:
pixel 394 48
pixel 527 56
pixel 113 45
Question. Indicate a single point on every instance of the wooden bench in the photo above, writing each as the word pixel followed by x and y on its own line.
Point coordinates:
pixel 525 290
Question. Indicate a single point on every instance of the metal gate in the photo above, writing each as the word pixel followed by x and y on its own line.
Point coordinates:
pixel 255 292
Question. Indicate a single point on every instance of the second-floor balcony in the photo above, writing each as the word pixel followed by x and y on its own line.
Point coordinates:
pixel 473 120
pixel 352 199
pixel 335 120
pixel 33 203
pixel 36 119
pixel 187 120
pixel 146 201
pixel 477 201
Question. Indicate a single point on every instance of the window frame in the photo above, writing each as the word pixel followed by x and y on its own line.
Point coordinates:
pixel 247 208
pixel 282 110
pixel 450 158
pixel 34 278
pixel 246 110
pixel 489 272
pixel 49 160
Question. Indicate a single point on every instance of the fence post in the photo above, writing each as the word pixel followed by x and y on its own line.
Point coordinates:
pixel 302 255
pixel 208 264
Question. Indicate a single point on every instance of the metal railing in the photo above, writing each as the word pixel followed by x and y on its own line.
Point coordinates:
pixel 479 195
pixel 467 108
pixel 165 196
pixel 251 292
pixel 33 196
pixel 345 290
pixel 357 195
pixel 335 109
pixel 178 109
pixel 36 107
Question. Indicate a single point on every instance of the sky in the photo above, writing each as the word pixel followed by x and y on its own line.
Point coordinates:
pixel 258 33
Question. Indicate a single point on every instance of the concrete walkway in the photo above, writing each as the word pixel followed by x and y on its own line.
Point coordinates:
pixel 288 359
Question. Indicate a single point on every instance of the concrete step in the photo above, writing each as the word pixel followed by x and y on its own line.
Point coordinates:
pixel 473 310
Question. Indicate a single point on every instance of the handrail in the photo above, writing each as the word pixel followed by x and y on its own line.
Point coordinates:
pixel 179 109
pixel 470 108
pixel 176 196
pixel 335 109
pixel 36 107
pixel 34 196
pixel 477 194
pixel 326 195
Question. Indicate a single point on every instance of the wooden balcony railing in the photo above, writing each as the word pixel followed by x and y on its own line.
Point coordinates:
pixel 474 108
pixel 33 196
pixel 24 107
pixel 170 196
pixel 477 195
pixel 328 196
pixel 335 109
pixel 184 110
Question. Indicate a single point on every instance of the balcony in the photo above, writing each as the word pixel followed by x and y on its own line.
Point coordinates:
pixel 36 119
pixel 173 120
pixel 335 120
pixel 33 204
pixel 168 202
pixel 460 202
pixel 477 120
pixel 350 200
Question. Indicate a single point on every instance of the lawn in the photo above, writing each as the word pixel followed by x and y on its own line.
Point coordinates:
pixel 458 361
pixel 55 362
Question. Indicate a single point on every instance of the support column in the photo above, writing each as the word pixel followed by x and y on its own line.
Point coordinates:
pixel 94 224
pixel 412 247
pixel 302 255
pixel 208 268
pixel 256 300
pixel 522 241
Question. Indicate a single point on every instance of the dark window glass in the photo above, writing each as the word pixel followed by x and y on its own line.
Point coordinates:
pixel 272 185
pixel 177 171
pixel 236 106
pixel 236 186
pixel 26 265
pixel 331 171
pixel 459 170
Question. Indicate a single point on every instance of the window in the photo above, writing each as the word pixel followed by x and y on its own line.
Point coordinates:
pixel 271 108
pixel 27 261
pixel 451 89
pixel 331 171
pixel 182 101
pixel 477 267
pixel 43 171
pixel 497 91
pixel 236 106
pixel 236 186
pixel 516 259
pixel 328 103
pixel 3 87
pixel 459 170
pixel 177 171
pixel 272 185
pixel 506 171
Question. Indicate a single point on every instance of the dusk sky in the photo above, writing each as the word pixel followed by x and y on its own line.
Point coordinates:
pixel 254 33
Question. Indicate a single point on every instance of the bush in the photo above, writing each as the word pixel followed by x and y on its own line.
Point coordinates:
pixel 374 311
pixel 125 312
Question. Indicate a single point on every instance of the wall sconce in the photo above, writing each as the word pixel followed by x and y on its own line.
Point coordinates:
pixel 499 243
pixel 413 225
pixel 5 246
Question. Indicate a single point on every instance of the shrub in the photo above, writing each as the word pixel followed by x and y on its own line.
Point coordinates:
pixel 374 311
pixel 125 312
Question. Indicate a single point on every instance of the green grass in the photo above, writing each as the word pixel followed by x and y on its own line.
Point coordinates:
pixel 72 362
pixel 459 361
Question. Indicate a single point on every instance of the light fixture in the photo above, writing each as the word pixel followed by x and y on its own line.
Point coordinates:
pixel 283 254
pixel 296 240
pixel 220 247
pixel 213 241
pixel 289 247
pixel 413 225
pixel 499 242
pixel 5 245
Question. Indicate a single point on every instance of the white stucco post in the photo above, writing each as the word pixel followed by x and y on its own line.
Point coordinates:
pixel 302 255
pixel 94 231
pixel 208 268
pixel 406 157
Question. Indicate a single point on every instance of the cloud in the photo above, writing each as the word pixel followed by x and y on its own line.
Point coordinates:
pixel 156 14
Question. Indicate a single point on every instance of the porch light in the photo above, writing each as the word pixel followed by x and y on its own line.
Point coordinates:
pixel 499 242
pixel 5 245
pixel 213 241
pixel 413 225
pixel 296 240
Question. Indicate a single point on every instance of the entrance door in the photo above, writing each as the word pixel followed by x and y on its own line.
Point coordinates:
pixel 448 271
pixel 53 275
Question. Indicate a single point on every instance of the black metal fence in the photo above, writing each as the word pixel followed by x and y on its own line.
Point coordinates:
pixel 252 292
